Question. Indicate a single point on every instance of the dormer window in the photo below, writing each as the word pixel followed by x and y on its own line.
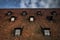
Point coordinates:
pixel 39 13
pixel 31 18
pixel 49 18
pixel 13 18
pixel 53 13
pixel 9 13
pixel 24 13
pixel 18 31
pixel 46 31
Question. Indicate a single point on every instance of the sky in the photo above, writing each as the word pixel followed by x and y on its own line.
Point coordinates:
pixel 29 4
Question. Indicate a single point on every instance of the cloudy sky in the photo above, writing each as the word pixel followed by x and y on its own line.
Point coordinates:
pixel 29 4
